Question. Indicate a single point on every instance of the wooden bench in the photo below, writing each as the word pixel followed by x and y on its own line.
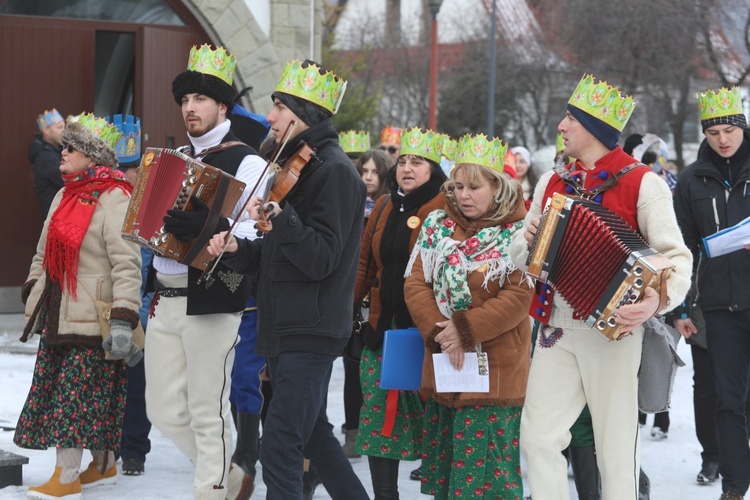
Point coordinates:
pixel 11 473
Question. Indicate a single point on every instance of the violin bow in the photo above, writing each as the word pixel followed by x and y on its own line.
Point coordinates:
pixel 207 273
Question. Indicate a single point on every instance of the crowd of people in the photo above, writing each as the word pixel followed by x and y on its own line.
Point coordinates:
pixel 421 232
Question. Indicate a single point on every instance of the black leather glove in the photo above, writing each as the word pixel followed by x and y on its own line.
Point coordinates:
pixel 186 226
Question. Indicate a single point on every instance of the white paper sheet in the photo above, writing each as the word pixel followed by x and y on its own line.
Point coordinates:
pixel 728 240
pixel 469 379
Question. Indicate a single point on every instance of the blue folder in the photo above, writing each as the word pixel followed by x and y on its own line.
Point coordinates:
pixel 403 353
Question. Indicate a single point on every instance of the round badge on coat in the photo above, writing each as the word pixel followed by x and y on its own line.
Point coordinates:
pixel 413 222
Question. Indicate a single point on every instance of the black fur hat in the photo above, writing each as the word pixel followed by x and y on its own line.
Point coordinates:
pixel 193 82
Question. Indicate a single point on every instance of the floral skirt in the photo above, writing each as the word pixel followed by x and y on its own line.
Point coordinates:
pixel 76 400
pixel 471 452
pixel 405 442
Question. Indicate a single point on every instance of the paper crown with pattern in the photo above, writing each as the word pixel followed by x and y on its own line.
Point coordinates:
pixel 719 103
pixel 480 150
pixel 424 143
pixel 100 128
pixel 48 118
pixel 128 147
pixel 208 61
pixel 603 101
pixel 448 147
pixel 390 135
pixel 354 141
pixel 311 84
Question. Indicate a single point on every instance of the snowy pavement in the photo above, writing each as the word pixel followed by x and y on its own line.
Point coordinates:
pixel 671 464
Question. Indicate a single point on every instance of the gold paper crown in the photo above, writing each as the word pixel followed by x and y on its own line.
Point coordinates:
pixel 602 101
pixel 390 135
pixel 723 102
pixel 100 128
pixel 326 89
pixel 218 63
pixel 354 141
pixel 424 143
pixel 448 147
pixel 480 150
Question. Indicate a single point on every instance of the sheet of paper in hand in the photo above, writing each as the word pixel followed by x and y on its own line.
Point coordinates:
pixel 474 376
pixel 728 240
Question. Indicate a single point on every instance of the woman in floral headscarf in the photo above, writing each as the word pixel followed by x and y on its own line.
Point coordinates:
pixel 77 397
pixel 465 295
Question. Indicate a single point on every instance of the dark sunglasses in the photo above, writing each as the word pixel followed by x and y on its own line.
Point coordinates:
pixel 390 149
pixel 70 149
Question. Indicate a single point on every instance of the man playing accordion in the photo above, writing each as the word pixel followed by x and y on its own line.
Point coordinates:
pixel 574 364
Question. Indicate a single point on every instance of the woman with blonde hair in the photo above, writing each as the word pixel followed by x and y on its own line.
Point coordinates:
pixel 465 295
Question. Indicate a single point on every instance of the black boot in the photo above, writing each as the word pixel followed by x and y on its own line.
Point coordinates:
pixel 585 472
pixel 246 452
pixel 310 481
pixel 248 434
pixel 644 486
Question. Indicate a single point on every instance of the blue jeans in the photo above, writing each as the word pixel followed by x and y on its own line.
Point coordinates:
pixel 728 335
pixel 297 427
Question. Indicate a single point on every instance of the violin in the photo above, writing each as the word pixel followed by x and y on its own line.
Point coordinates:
pixel 282 181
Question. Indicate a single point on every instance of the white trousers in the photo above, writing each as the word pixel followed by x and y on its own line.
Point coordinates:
pixel 188 361
pixel 583 367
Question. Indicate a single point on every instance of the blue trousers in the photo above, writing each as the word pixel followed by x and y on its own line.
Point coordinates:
pixel 135 424
pixel 297 426
pixel 728 335
pixel 245 393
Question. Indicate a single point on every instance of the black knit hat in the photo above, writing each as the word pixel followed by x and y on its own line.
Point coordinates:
pixel 604 133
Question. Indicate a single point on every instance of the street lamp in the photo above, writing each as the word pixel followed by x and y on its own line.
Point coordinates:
pixel 434 6
pixel 491 92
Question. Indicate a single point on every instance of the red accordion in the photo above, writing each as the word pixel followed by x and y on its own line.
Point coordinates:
pixel 166 180
pixel 595 260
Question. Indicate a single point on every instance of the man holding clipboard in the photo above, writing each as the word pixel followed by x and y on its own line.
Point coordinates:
pixel 712 195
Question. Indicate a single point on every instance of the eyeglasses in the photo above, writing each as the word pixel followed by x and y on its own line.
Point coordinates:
pixel 391 149
pixel 70 149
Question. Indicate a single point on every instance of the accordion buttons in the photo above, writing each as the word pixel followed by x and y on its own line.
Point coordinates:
pixel 540 312
pixel 543 299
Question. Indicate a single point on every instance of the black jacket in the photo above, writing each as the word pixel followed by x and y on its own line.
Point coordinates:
pixel 45 160
pixel 307 265
pixel 700 199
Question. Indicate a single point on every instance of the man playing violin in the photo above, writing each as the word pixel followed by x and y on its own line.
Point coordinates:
pixel 306 266
pixel 193 331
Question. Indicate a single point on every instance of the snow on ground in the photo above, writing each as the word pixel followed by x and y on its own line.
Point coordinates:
pixel 671 464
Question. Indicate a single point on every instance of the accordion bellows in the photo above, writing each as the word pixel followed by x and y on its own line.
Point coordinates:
pixel 595 260
pixel 167 179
